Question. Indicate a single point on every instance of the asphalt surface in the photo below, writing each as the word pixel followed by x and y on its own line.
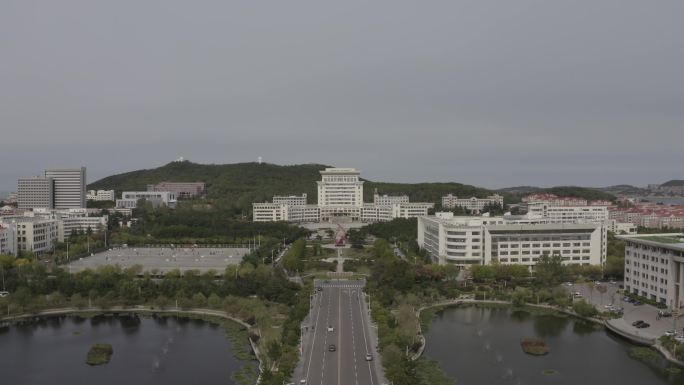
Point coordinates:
pixel 163 259
pixel 339 304
pixel 644 312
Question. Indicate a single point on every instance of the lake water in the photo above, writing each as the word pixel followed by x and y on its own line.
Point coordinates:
pixel 165 351
pixel 480 346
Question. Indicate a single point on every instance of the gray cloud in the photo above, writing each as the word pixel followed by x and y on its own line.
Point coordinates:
pixel 491 93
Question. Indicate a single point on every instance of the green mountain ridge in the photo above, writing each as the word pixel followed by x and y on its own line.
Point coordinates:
pixel 673 183
pixel 239 185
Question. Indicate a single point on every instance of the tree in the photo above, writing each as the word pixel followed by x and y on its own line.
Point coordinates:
pixel 549 270
pixel 274 350
pixel 584 309
pixel 214 301
pixel 161 302
pixel 78 301
pixel 199 300
pixel 482 273
pixel 293 259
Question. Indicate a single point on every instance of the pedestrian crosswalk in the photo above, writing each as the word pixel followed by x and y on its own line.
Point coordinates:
pixel 344 284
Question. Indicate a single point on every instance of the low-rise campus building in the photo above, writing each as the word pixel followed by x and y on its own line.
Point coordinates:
pixel 32 234
pixel 182 190
pixel 483 240
pixel 129 199
pixel 101 195
pixel 473 205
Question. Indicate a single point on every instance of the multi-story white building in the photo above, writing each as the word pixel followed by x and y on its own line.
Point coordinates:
pixel 568 214
pixel 472 204
pixel 34 234
pixel 8 239
pixel 340 194
pixel 34 192
pixel 620 228
pixel 129 199
pixel 101 195
pixel 291 200
pixel 654 267
pixel 183 190
pixel 69 187
pixel 467 241
pixel 389 200
pixel 72 220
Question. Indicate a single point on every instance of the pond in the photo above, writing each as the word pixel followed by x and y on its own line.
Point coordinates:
pixel 155 350
pixel 481 346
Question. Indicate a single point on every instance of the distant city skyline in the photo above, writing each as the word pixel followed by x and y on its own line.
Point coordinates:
pixel 486 93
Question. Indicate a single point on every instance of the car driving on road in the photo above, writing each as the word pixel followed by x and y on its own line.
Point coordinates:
pixel 332 348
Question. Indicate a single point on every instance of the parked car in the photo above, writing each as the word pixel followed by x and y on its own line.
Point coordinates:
pixel 332 348
pixel 331 329
pixel 568 284
pixel 577 294
pixel 664 313
pixel 637 303
pixel 636 323
pixel 643 325
pixel 627 299
pixel 670 333
pixel 4 293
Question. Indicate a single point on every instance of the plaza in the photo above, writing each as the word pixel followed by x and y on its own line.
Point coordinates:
pixel 161 260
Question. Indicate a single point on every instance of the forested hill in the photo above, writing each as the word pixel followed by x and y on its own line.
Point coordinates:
pixel 237 186
pixel 590 194
pixel 673 183
pixel 240 184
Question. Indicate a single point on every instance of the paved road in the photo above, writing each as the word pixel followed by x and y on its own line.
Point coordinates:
pixel 341 305
pixel 632 313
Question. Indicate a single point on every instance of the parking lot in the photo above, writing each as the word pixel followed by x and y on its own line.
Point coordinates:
pixel 163 260
pixel 631 313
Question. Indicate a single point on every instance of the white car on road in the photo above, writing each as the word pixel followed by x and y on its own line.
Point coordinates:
pixel 331 329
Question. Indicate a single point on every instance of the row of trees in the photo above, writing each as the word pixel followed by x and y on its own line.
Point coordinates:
pixel 293 260
pixel 188 224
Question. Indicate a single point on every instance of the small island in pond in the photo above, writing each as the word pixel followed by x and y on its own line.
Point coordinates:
pixel 534 346
pixel 99 354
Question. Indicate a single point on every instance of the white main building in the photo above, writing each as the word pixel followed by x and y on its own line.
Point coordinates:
pixel 340 194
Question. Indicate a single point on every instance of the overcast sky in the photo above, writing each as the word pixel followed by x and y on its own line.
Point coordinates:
pixel 490 93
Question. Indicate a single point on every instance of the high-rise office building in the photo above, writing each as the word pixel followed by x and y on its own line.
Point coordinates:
pixel 69 187
pixel 35 192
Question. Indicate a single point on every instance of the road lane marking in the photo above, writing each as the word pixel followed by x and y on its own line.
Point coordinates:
pixel 339 335
pixel 365 341
pixel 351 319
pixel 325 341
pixel 313 343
